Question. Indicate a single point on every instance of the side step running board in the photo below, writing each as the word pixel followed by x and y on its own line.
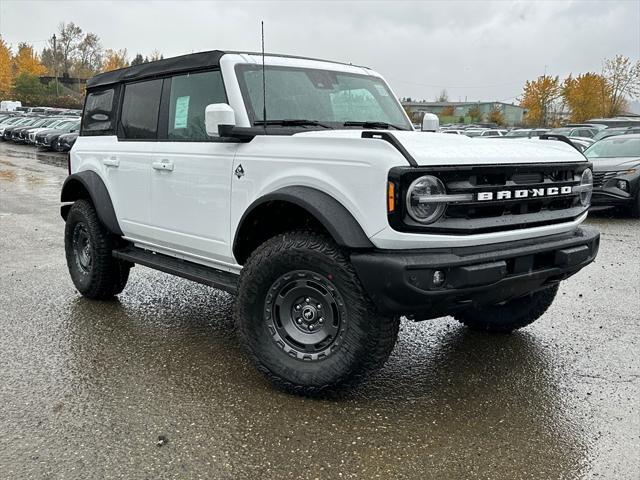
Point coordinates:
pixel 191 271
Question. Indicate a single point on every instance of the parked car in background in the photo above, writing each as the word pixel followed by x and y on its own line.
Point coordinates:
pixel 526 132
pixel 580 132
pixel 581 143
pixel 612 132
pixel 8 131
pixel 616 172
pixel 46 138
pixel 64 142
pixel 56 123
pixel 597 126
pixel 617 121
pixel 18 133
pixel 11 122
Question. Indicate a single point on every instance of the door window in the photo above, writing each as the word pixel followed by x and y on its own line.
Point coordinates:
pixel 140 109
pixel 189 97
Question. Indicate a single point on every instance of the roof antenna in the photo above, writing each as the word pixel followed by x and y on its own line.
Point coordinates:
pixel 264 84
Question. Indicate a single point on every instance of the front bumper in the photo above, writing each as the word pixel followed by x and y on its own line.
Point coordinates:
pixel 401 282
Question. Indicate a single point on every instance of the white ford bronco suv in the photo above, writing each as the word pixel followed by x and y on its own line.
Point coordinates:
pixel 320 208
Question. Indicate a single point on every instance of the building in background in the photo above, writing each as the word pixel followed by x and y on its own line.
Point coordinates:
pixel 459 112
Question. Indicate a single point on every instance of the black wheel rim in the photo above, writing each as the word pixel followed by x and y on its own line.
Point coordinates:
pixel 82 247
pixel 305 315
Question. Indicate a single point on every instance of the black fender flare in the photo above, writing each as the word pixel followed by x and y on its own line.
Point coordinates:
pixel 334 217
pixel 73 189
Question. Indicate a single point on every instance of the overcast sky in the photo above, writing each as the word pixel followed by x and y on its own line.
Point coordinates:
pixel 478 50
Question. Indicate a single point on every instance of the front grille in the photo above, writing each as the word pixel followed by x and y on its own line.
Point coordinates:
pixel 477 216
pixel 600 178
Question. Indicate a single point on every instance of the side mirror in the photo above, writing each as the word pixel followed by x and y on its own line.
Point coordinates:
pixel 430 122
pixel 219 118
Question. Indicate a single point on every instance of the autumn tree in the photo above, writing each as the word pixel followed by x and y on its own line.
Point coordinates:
pixel 114 59
pixel 447 111
pixel 585 95
pixel 475 113
pixel 621 81
pixel 26 61
pixel 538 100
pixel 6 70
pixel 496 115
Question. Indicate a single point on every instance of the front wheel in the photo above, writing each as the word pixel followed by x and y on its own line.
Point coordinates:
pixel 304 318
pixel 88 247
pixel 509 316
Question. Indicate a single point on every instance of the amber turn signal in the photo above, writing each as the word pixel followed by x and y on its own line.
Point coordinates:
pixel 391 197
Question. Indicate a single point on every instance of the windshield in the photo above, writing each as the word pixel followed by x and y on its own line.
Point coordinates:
pixel 613 147
pixel 328 97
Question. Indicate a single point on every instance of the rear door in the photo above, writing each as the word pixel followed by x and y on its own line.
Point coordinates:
pixel 128 163
pixel 191 176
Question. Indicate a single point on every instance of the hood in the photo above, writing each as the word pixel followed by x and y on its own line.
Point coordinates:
pixel 605 164
pixel 442 149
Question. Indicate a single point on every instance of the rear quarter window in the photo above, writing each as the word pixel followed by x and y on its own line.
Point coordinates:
pixel 98 117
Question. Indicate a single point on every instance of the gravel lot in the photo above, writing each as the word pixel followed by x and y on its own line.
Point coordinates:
pixel 88 388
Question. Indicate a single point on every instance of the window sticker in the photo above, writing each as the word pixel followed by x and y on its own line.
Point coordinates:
pixel 182 112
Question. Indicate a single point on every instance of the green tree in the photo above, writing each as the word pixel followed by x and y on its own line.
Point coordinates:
pixel 28 85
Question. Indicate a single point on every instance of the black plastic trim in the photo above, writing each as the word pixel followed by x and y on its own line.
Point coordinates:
pixel 213 277
pixel 333 216
pixel 390 138
pixel 93 184
pixel 400 282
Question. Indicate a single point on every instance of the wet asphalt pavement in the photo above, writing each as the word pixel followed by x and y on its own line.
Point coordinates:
pixel 88 388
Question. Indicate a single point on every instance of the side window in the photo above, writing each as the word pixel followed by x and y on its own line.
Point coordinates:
pixel 99 112
pixel 189 97
pixel 140 107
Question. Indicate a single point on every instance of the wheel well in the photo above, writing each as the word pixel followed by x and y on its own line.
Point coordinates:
pixel 268 220
pixel 74 190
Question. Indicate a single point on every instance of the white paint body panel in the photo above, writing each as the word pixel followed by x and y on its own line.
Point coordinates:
pixel 193 210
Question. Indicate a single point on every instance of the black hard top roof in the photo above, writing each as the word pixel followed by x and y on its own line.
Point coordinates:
pixel 183 63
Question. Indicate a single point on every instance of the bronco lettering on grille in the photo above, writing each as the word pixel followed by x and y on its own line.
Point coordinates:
pixel 524 193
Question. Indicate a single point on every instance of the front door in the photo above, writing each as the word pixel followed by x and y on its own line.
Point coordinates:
pixel 191 173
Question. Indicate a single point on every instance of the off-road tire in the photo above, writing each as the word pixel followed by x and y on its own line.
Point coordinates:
pixel 95 273
pixel 365 338
pixel 511 315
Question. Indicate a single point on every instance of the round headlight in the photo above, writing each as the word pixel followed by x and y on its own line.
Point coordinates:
pixel 418 205
pixel 587 179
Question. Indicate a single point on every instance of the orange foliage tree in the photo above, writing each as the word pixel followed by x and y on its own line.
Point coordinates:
pixel 539 98
pixel 26 61
pixel 586 96
pixel 114 59
pixel 6 70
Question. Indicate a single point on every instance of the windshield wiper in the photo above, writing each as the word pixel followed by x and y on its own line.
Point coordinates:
pixel 292 122
pixel 373 125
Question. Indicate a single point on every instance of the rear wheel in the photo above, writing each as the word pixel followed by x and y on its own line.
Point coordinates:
pixel 88 248
pixel 509 316
pixel 304 318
